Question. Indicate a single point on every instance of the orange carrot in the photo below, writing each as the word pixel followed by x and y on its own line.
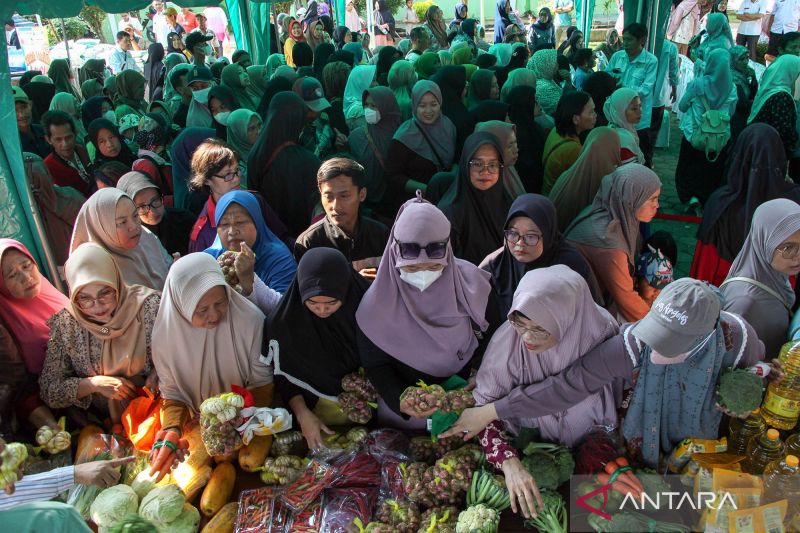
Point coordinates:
pixel 620 485
pixel 630 477
pixel 611 467
pixel 164 457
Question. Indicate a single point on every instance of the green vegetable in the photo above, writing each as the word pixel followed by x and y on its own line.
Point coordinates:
pixel 625 522
pixel 740 391
pixel 561 455
pixel 186 522
pixel 489 489
pixel 552 517
pixel 163 504
pixel 134 524
pixel 112 505
pixel 478 518
pixel 543 469
pixel 143 484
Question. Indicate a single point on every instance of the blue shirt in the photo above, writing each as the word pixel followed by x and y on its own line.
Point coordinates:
pixel 639 75
pixel 564 19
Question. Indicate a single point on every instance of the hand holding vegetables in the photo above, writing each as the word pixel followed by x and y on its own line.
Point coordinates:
pixel 423 401
pixel 471 422
pixel 739 392
pixel 168 450
pixel 11 458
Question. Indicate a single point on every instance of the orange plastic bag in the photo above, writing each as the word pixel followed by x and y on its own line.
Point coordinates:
pixel 142 420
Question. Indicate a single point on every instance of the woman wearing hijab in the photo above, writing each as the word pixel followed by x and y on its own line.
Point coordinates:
pixel 221 103
pixel 312 340
pixel 542 33
pixel 302 55
pixel 476 202
pixel 237 81
pixel 100 348
pixel 70 105
pixel 91 88
pixel 97 107
pixel 608 48
pixel 61 74
pixel 207 338
pixel 280 168
pixel 775 102
pixel 531 219
pixel 239 221
pixel 92 69
pixel 417 319
pixel 434 21
pixel 506 135
pixel 109 219
pixel 577 187
pixel 322 56
pixel 334 81
pixel 351 18
pixel 502 51
pixel 756 174
pixel 600 85
pixel 489 110
pixel 174 91
pixel 295 35
pixel 40 94
pixel 460 14
pixel 108 143
pixel 370 144
pixel 181 153
pixel 452 81
pixel 718 36
pixel 361 78
pixel 530 136
pixel 244 126
pixel 385 24
pixel 744 79
pixel 757 287
pixel 355 48
pixel 696 175
pixel 544 64
pixel 607 233
pixel 402 78
pixel 130 94
pixel 502 19
pixel 155 71
pixel 315 34
pixel 387 57
pixel 482 86
pixel 574 43
pixel 423 145
pixel 574 115
pixel 623 110
pixel 341 36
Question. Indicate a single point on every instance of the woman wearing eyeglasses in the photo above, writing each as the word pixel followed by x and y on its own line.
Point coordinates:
pixel 757 286
pixel 110 219
pixel 476 202
pixel 531 241
pixel 99 351
pixel 419 318
pixel 171 225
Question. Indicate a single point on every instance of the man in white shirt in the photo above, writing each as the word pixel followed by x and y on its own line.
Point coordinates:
pixel 784 16
pixel 203 29
pixel 121 58
pixel 160 26
pixel 133 22
pixel 637 69
pixel 750 13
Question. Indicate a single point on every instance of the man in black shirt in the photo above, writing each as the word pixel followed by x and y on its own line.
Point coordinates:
pixel 31 136
pixel 361 239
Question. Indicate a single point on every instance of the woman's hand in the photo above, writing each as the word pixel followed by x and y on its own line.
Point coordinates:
pixel 244 265
pixel 113 388
pixel 522 489
pixel 405 407
pixel 152 381
pixel 472 421
pixel 312 428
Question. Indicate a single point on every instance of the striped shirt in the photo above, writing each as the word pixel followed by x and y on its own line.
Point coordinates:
pixel 39 487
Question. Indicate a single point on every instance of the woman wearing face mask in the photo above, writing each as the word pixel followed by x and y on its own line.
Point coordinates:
pixel 244 126
pixel 109 219
pixel 757 286
pixel 476 202
pixel 423 145
pixel 623 110
pixel 100 347
pixel 361 78
pixel 200 82
pixel 295 36
pixel 108 143
pixel 370 143
pixel 221 102
pixel 418 319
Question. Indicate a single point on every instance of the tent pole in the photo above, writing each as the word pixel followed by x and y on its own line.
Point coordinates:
pixel 66 45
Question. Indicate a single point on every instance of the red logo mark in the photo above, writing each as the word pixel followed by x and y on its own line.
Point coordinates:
pixel 581 501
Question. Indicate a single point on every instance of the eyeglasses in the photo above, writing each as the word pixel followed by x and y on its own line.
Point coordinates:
pixel 492 166
pixel 789 250
pixel 411 250
pixel 513 237
pixel 538 334
pixel 106 296
pixel 143 209
pixel 228 177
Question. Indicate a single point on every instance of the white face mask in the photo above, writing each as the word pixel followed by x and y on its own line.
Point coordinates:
pixel 372 116
pixel 201 96
pixel 421 279
pixel 111 116
pixel 222 117
pixel 206 48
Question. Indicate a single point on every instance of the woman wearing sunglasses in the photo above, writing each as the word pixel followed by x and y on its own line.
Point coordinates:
pixel 99 351
pixel 419 318
pixel 531 240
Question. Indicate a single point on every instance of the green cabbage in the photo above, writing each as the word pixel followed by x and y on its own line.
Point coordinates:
pixel 143 484
pixel 163 504
pixel 112 505
pixel 187 522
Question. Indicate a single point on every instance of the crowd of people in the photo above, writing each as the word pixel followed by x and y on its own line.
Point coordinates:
pixel 428 207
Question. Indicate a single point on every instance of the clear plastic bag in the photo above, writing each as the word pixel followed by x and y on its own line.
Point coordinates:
pixel 392 476
pixel 308 520
pixel 221 438
pixel 257 510
pixel 341 507
pixel 356 468
pixel 306 489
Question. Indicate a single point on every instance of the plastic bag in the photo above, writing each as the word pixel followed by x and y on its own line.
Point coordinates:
pixel 256 510
pixel 308 520
pixel 101 448
pixel 392 476
pixel 219 417
pixel 317 476
pixel 341 507
pixel 356 468
pixel 387 440
pixel 260 421
pixel 142 420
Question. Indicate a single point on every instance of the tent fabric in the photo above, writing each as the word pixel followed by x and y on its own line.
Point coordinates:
pixel 250 22
pixel 72 8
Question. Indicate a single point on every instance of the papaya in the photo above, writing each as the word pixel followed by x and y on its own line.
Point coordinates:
pixel 252 456
pixel 224 520
pixel 219 489
pixel 87 442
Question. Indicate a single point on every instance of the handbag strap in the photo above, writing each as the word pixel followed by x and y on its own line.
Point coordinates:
pixel 375 149
pixel 760 285
pixel 439 164
pixel 547 157
pixel 277 151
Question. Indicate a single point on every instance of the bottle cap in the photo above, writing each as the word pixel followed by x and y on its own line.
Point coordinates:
pixel 772 434
pixel 756 411
pixel 792 461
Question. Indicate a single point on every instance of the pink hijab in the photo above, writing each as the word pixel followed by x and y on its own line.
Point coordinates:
pixel 27 318
pixel 430 331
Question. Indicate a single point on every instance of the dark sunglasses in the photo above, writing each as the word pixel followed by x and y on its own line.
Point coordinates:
pixel 411 250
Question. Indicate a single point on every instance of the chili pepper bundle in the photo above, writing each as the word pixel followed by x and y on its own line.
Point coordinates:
pixel 356 468
pixel 357 408
pixel 423 397
pixel 256 509
pixel 386 440
pixel 403 515
pixel 308 520
pixel 307 488
pixel 219 418
pixel 392 473
pixel 342 507
pixel 226 261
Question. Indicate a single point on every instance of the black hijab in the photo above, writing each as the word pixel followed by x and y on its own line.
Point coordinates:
pixel 124 156
pixel 40 94
pixel 600 85
pixel 386 58
pixel 485 61
pixel 338 36
pixel 27 76
pixel 487 110
pixel 531 137
pixel 343 56
pixel 544 26
pixel 92 109
pixel 226 96
pixel 476 216
pixel 452 79
pixel 171 49
pixel 506 271
pixel 154 71
pixel 302 55
pixel 311 352
pixel 322 55
pixel 755 173
pixel 274 86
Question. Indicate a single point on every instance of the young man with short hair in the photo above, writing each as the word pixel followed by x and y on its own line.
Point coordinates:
pixel 69 163
pixel 420 41
pixel 121 58
pixel 197 45
pixel 362 240
pixel 31 136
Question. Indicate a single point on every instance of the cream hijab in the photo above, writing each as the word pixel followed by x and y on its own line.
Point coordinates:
pixel 147 264
pixel 124 351
pixel 195 363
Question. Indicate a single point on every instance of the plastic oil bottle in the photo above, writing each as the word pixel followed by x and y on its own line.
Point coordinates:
pixel 781 478
pixel 793 445
pixel 741 431
pixel 763 450
pixel 781 405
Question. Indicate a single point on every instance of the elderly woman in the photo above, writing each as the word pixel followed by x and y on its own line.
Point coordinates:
pixel 100 347
pixel 110 219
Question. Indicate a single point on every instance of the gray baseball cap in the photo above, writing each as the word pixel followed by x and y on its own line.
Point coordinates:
pixel 310 90
pixel 686 311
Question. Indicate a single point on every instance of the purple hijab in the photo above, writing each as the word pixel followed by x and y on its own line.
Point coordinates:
pixel 430 331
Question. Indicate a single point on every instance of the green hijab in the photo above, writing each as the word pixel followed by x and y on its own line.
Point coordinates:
pixel 426 64
pixel 130 90
pixel 91 88
pixel 59 72
pixel 238 123
pixel 231 78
